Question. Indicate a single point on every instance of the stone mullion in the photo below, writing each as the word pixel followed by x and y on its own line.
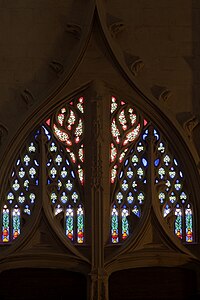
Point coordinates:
pixel 151 164
pixel 150 171
pixel 43 161
pixel 99 286
pixel 154 205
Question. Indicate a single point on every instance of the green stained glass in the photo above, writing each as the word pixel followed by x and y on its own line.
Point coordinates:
pixel 188 224
pixel 80 225
pixel 129 164
pixel 171 183
pixel 5 225
pixel 178 222
pixel 16 222
pixel 125 225
pixel 114 225
pixel 70 223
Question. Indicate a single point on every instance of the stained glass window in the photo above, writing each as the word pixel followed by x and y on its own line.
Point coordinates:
pixel 142 164
pixel 65 167
pixel 52 160
pixel 140 156
pixel 21 191
pixel 172 189
pixel 129 165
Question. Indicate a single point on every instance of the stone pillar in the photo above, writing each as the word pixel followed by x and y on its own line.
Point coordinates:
pixel 99 285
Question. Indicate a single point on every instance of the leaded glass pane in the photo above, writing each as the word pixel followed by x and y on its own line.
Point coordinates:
pixel 140 158
pixel 173 194
pixel 22 190
pixel 129 167
pixel 65 167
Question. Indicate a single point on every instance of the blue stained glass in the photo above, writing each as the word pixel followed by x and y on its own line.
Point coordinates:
pixel 175 161
pixel 145 181
pixel 129 173
pixel 72 173
pixel 181 174
pixel 156 162
pixel 36 181
pixel 49 163
pixel 156 134
pixel 140 147
pixel 166 210
pixel 67 162
pixel 136 211
pixel 126 162
pixel 130 198
pixel 47 133
pixel 140 198
pixel 13 174
pixel 121 174
pixel 145 134
pixel 145 162
pixel 48 181
pixel 27 210
pixel 125 185
pixel 36 162
pixel 64 198
pixel 18 162
pixel 36 135
pixel 177 185
pixel 119 197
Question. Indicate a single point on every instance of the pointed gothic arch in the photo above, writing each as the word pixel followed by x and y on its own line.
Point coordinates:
pixel 53 136
pixel 53 128
pixel 145 167
pixel 50 163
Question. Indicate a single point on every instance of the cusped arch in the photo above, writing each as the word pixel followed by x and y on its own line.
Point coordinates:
pixel 47 174
pixel 147 166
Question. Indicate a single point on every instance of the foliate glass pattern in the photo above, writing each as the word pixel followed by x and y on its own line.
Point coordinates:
pixel 52 161
pixel 21 191
pixel 129 165
pixel 65 167
pixel 172 190
pixel 139 155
